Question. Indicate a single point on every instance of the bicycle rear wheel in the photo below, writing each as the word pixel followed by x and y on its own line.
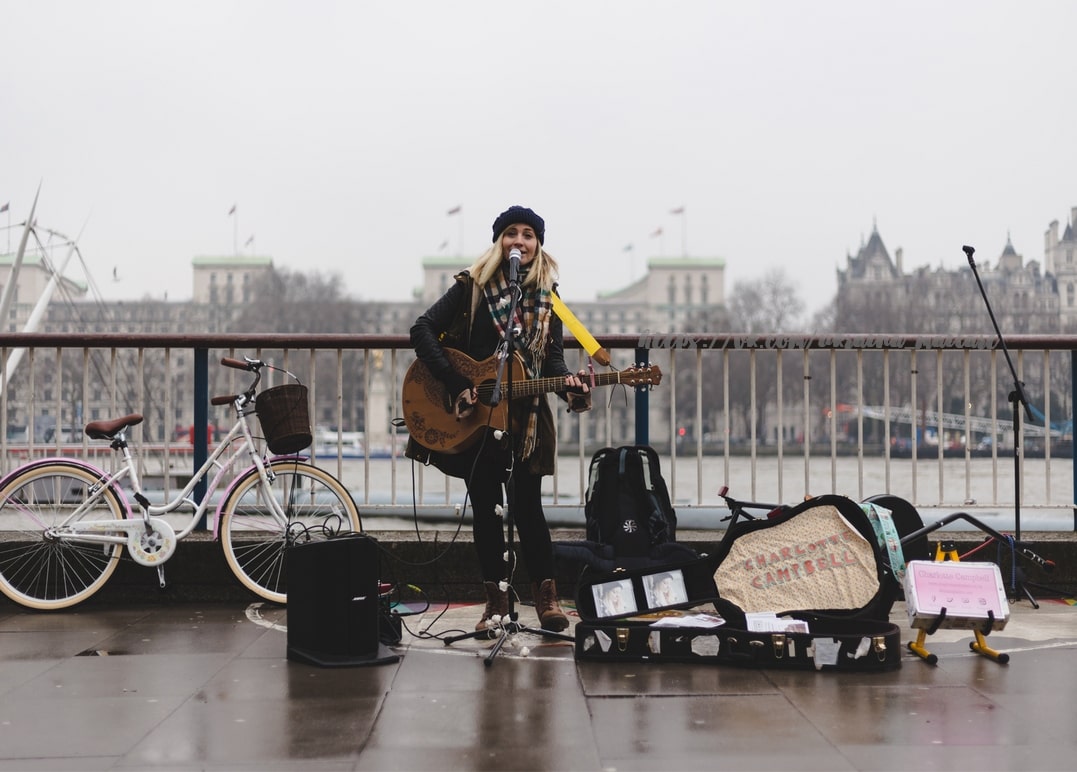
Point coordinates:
pixel 43 570
pixel 316 506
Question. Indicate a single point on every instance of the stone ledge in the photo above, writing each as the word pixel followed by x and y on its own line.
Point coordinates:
pixel 444 567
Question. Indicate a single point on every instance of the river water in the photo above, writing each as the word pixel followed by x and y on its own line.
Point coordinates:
pixel 983 487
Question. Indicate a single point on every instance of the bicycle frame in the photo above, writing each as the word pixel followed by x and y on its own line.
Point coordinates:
pixel 739 509
pixel 104 531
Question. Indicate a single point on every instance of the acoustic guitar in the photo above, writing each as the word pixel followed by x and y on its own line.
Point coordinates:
pixel 428 406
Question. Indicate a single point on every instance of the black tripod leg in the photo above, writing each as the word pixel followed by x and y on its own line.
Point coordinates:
pixel 451 639
pixel 547 634
pixel 497 647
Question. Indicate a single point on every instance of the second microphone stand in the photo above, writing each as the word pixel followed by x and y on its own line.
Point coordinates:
pixel 1018 399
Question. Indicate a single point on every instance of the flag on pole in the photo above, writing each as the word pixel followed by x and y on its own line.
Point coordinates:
pixel 5 207
pixel 678 210
pixel 657 232
pixel 455 210
pixel 627 248
pixel 249 241
pixel 232 211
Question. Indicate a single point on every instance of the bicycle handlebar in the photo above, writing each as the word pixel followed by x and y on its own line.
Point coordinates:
pixel 250 365
pixel 733 503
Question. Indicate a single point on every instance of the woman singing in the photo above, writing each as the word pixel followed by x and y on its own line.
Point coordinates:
pixel 472 316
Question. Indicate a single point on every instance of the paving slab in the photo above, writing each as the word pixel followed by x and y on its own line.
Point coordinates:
pixel 208 686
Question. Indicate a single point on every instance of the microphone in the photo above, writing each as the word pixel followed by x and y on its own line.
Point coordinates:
pixel 514 265
pixel 968 252
pixel 1044 563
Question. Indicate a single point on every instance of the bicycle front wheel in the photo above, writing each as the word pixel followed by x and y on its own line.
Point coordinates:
pixel 41 567
pixel 315 504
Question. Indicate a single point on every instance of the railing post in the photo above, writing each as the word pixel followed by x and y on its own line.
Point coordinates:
pixel 643 404
pixel 201 421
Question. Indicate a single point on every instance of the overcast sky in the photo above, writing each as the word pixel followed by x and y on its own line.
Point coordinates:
pixel 345 132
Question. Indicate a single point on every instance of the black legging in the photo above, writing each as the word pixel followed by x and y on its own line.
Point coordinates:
pixel 528 518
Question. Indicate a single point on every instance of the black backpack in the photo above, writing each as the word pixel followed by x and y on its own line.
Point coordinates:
pixel 627 504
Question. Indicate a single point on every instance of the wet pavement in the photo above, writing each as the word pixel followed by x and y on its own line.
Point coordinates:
pixel 208 686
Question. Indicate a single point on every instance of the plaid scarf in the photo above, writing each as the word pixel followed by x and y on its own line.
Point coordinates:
pixel 533 319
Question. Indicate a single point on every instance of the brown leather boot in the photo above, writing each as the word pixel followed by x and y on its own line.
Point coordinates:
pixel 550 615
pixel 497 603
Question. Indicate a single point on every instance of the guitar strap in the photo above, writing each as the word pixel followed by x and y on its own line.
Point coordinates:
pixel 575 326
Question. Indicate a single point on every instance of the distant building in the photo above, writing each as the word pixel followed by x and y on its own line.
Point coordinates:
pixel 1060 260
pixel 876 294
pixel 231 280
pixel 438 273
pixel 871 275
pixel 675 295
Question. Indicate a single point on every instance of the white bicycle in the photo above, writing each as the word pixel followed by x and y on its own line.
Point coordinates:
pixel 64 522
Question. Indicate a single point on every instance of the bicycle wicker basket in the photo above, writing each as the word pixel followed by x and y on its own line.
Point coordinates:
pixel 284 415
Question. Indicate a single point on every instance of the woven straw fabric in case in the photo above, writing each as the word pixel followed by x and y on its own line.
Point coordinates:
pixel 285 418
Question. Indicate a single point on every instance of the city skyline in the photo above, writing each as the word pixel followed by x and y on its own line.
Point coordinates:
pixel 985 261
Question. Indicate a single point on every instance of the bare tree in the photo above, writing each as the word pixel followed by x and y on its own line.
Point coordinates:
pixel 768 304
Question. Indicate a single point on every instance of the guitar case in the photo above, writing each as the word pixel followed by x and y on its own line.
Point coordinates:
pixel 809 588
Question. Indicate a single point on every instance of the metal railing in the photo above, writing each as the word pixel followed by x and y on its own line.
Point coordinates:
pixel 775 417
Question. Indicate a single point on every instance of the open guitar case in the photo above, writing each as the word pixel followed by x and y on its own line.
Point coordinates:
pixel 810 587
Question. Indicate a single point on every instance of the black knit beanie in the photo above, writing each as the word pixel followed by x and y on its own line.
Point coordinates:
pixel 520 214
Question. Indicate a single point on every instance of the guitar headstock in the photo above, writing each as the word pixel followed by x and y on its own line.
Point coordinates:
pixel 641 375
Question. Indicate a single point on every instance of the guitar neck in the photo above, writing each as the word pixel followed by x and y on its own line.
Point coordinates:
pixel 531 388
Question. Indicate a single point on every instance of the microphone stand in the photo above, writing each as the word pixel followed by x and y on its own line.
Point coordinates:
pixel 1018 399
pixel 507 353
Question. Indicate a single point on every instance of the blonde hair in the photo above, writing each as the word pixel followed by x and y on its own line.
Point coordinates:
pixel 541 273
